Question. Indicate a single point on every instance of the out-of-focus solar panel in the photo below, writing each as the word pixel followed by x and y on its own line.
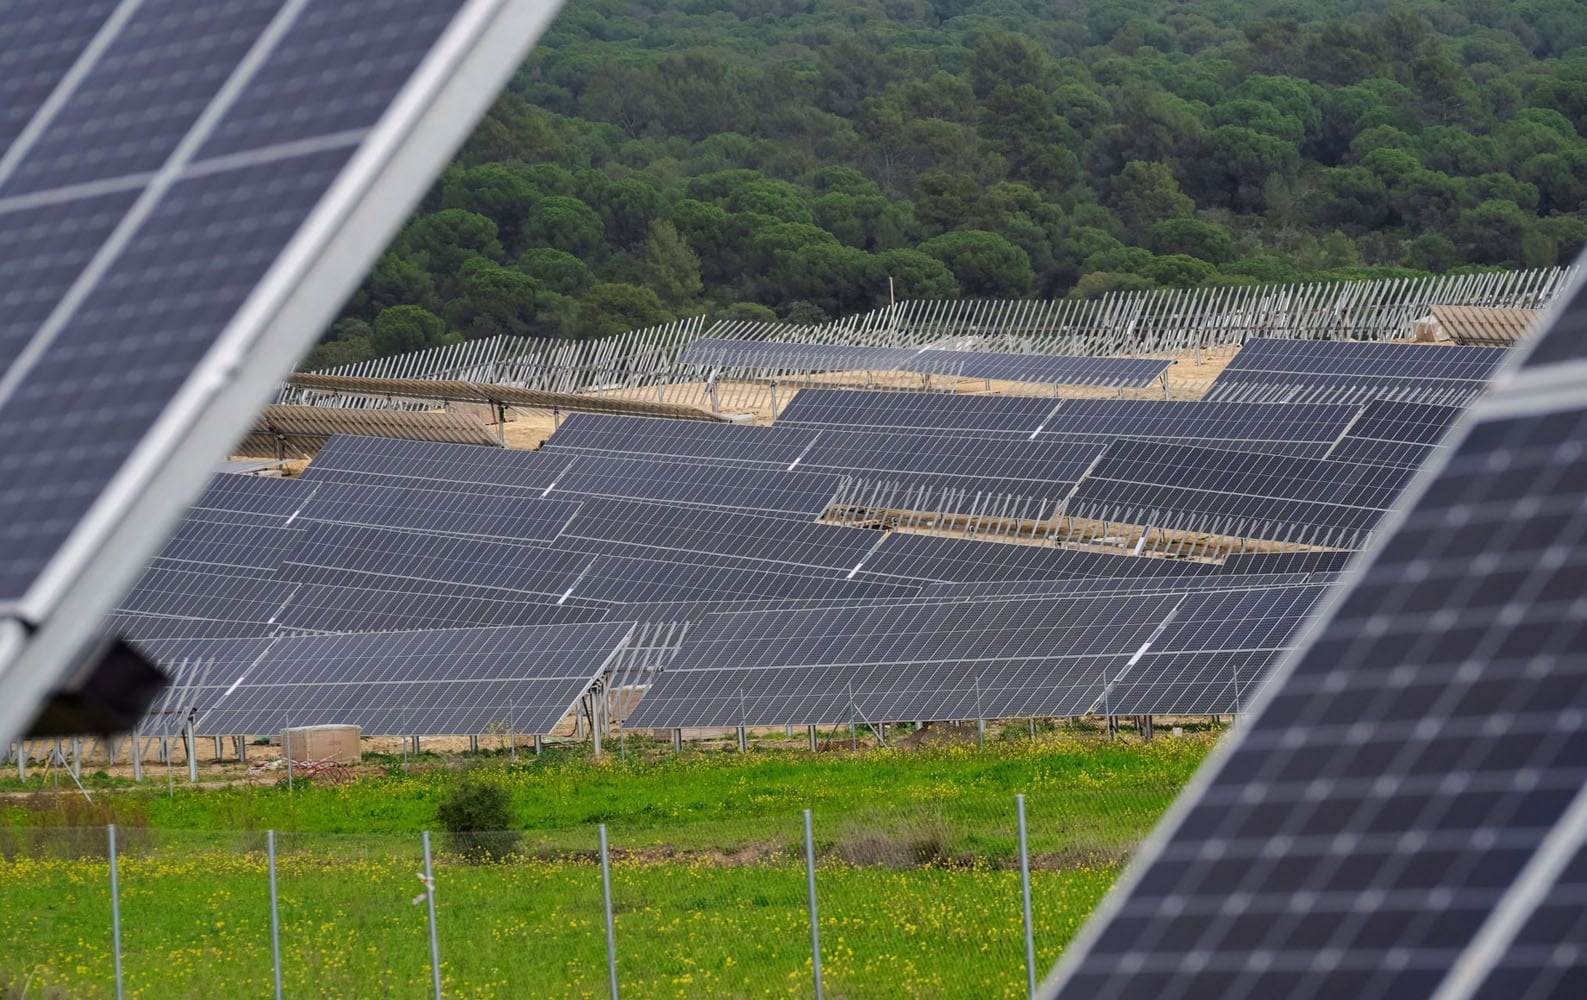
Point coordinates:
pixel 1326 371
pixel 1019 416
pixel 933 462
pixel 470 680
pixel 910 661
pixel 1301 429
pixel 1404 814
pixel 193 194
pixel 936 558
pixel 1238 494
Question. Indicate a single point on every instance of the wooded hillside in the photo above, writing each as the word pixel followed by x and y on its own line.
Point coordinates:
pixel 761 158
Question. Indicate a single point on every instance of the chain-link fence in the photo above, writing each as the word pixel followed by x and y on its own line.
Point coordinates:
pixel 928 901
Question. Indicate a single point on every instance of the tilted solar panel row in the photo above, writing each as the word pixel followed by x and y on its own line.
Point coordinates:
pixel 956 660
pixel 468 680
pixel 1241 494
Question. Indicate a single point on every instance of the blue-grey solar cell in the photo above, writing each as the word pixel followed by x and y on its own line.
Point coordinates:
pixel 1372 822
pixel 144 94
pixel 1078 586
pixel 42 40
pixel 924 411
pixel 392 462
pixel 333 74
pixel 932 558
pixel 900 662
pixel 252 499
pixel 466 680
pixel 1570 342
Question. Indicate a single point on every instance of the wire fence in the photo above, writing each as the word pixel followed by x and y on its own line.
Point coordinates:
pixel 932 901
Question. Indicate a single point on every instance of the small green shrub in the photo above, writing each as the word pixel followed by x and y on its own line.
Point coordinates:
pixel 477 817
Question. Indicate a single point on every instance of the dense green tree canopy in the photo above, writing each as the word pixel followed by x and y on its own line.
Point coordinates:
pixel 759 157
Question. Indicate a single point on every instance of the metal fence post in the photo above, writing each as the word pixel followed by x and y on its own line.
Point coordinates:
pixel 275 916
pixel 115 908
pixel 435 941
pixel 606 900
pixel 815 926
pixel 1024 889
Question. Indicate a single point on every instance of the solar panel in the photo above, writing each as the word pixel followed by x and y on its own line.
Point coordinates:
pixel 561 475
pixel 436 512
pixel 299 431
pixel 352 556
pixel 141 629
pixel 634 527
pixel 470 680
pixel 1403 816
pixel 619 580
pixel 1303 429
pixel 236 549
pixel 909 661
pixel 1243 563
pixel 779 447
pixel 1041 368
pixel 965 560
pixel 163 590
pixel 323 608
pixel 1344 371
pixel 196 191
pixel 1395 433
pixel 1237 494
pixel 1078 586
pixel 938 466
pixel 955 412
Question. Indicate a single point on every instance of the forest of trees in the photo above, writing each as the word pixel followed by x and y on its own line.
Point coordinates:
pixel 786 158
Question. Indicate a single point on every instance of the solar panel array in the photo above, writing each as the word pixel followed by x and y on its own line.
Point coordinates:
pixel 720 535
pixel 187 193
pixel 1404 815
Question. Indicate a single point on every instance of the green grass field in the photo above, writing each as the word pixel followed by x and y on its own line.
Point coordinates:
pixel 917 883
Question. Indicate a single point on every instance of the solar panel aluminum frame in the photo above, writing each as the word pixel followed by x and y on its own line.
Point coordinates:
pixel 1516 390
pixel 44 634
